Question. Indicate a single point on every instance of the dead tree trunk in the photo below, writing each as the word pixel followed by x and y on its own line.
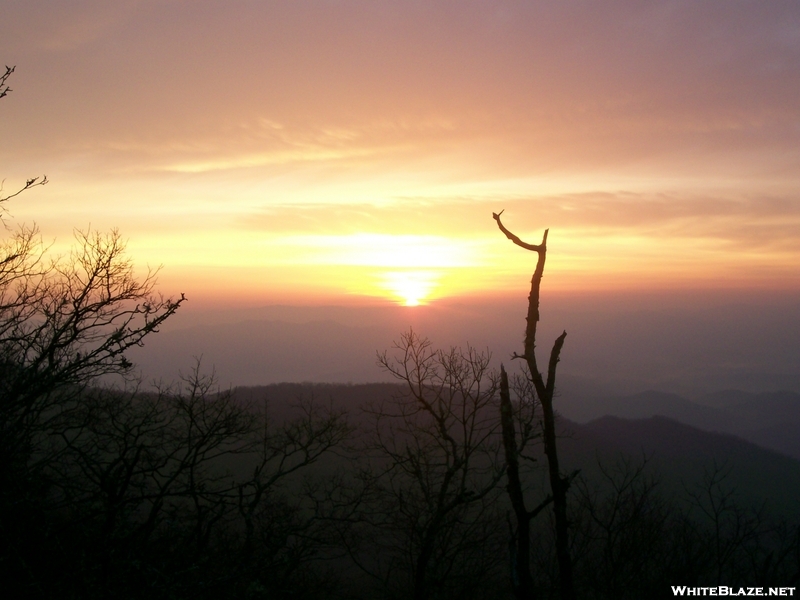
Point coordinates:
pixel 544 390
pixel 521 538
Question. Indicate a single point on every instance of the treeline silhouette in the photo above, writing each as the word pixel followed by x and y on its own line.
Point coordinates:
pixel 311 491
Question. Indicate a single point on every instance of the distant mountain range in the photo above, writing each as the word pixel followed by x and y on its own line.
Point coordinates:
pixel 680 455
pixel 770 419
pixel 618 345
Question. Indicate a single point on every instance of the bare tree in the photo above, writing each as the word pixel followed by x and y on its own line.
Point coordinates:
pixel 65 321
pixel 632 538
pixel 624 532
pixel 733 534
pixel 140 470
pixel 545 389
pixel 435 472
pixel 275 530
pixel 519 429
pixel 188 491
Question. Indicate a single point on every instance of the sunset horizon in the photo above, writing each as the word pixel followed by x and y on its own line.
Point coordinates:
pixel 315 153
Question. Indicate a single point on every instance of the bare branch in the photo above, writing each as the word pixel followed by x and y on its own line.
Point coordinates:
pixel 536 248
pixel 4 89
pixel 30 183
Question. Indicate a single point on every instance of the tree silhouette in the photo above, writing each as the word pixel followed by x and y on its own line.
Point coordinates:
pixel 544 389
pixel 435 470
pixel 64 322
pixel 112 491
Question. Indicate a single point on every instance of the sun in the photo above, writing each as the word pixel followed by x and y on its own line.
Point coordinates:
pixel 412 288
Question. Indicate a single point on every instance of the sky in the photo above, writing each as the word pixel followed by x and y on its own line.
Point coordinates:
pixel 353 152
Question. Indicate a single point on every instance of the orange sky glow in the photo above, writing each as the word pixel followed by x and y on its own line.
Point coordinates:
pixel 320 151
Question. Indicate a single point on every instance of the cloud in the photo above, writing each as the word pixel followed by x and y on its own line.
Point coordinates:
pixel 525 86
pixel 737 217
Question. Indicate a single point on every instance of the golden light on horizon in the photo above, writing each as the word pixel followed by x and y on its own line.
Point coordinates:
pixel 330 160
pixel 402 268
pixel 411 288
pixel 388 250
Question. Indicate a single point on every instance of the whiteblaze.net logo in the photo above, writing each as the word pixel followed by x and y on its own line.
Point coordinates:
pixel 724 590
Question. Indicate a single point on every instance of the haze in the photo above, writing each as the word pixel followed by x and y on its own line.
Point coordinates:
pixel 278 158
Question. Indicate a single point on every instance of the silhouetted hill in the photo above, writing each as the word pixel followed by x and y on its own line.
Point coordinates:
pixel 771 420
pixel 679 454
pixel 648 404
pixel 682 454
